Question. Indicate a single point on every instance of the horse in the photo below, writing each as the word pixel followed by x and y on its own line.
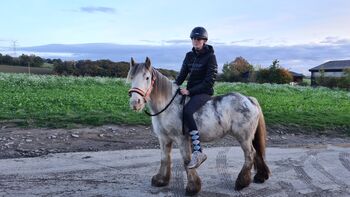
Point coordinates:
pixel 233 114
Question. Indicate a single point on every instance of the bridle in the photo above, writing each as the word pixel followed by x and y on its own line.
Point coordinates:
pixel 145 94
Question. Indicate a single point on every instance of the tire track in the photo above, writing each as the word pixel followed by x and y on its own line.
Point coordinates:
pixel 262 192
pixel 178 188
pixel 228 182
pixel 323 171
pixel 344 161
pixel 342 186
pixel 304 177
pixel 289 189
pixel 221 167
pixel 297 166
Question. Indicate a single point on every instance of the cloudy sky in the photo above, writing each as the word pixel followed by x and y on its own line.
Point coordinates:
pixel 300 33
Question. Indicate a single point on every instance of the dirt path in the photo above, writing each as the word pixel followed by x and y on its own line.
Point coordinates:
pixel 18 142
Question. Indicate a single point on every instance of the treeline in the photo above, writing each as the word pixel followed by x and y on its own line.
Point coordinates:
pixel 240 70
pixel 104 68
pixel 23 60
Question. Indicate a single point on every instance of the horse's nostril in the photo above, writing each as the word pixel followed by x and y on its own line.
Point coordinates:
pixel 138 101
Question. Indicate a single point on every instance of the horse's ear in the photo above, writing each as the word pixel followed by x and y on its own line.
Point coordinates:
pixel 148 63
pixel 132 62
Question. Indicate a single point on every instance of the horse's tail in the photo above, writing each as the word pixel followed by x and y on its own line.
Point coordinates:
pixel 259 141
pixel 259 144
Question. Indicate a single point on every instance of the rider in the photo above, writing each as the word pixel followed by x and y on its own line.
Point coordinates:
pixel 200 64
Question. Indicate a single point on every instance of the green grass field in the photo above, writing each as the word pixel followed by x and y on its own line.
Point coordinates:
pixel 53 101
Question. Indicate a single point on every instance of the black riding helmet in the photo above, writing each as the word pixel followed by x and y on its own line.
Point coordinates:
pixel 199 32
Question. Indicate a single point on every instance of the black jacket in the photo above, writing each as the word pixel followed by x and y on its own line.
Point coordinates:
pixel 202 69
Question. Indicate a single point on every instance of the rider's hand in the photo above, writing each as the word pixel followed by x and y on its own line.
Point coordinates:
pixel 184 91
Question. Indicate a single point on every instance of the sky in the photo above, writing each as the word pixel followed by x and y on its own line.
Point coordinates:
pixel 301 33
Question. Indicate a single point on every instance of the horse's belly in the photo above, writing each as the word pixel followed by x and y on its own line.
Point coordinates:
pixel 210 132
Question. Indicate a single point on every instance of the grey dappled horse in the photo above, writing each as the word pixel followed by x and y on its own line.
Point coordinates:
pixel 234 114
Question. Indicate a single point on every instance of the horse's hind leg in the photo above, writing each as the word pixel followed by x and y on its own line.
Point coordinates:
pixel 193 180
pixel 244 177
pixel 163 176
pixel 263 171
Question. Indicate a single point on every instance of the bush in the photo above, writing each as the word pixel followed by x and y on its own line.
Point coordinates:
pixel 274 74
pixel 238 70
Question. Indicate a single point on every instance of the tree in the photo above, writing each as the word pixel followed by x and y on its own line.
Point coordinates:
pixel 274 74
pixel 24 60
pixel 36 61
pixel 7 60
pixel 238 70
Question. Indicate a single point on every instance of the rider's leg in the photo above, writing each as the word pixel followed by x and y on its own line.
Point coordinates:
pixel 191 107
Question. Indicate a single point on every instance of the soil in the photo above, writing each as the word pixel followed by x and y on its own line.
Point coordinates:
pixel 16 142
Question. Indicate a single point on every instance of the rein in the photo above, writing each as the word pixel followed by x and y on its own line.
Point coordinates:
pixel 166 107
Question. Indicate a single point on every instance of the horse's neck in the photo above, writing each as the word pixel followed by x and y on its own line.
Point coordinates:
pixel 162 93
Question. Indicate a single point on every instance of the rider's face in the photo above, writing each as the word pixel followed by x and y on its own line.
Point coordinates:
pixel 198 43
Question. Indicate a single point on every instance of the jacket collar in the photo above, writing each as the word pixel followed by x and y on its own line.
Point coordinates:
pixel 206 49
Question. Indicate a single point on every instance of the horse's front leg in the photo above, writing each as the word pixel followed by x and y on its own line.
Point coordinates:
pixel 193 180
pixel 163 176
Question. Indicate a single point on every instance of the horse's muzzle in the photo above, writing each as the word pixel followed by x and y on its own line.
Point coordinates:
pixel 136 104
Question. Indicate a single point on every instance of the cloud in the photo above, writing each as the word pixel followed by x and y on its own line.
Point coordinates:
pixel 177 41
pixel 335 41
pixel 93 9
pixel 242 41
pixel 297 58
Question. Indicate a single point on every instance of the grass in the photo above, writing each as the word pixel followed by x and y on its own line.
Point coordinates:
pixel 314 108
pixel 53 101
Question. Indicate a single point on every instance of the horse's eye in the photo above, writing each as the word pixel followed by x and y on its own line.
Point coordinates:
pixel 147 78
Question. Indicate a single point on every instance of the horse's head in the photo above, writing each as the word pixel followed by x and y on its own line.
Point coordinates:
pixel 142 79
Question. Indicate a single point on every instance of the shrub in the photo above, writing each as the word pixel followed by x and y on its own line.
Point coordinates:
pixel 274 74
pixel 238 70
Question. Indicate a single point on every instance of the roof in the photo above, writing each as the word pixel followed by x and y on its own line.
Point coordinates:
pixel 296 74
pixel 339 64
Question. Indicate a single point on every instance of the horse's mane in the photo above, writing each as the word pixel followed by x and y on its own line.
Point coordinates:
pixel 162 85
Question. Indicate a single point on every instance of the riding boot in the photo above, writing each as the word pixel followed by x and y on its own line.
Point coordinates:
pixel 197 157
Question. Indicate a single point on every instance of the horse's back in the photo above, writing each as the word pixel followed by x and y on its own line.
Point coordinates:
pixel 222 114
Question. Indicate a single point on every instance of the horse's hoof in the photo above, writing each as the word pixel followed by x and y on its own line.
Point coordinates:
pixel 239 186
pixel 242 181
pixel 190 191
pixel 259 179
pixel 159 181
pixel 193 187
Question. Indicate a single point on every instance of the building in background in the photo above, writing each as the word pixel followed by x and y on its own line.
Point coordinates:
pixel 329 69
